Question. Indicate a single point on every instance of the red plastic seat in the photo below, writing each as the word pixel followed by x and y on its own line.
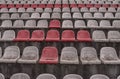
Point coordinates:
pixel 3 6
pixel 18 5
pixel 23 35
pixel 34 5
pixel 89 5
pixel 49 6
pixel 10 5
pixel 65 5
pixel 42 5
pixel 105 5
pixel 97 5
pixel 68 35
pixel 83 36
pixel 37 35
pixel 49 55
pixel 54 24
pixel 114 5
pixel 81 5
pixel 73 5
pixel 53 35
pixel 57 5
pixel 26 5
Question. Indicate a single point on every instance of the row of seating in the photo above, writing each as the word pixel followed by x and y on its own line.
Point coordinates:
pixel 66 15
pixel 51 76
pixel 72 5
pixel 66 24
pixel 69 55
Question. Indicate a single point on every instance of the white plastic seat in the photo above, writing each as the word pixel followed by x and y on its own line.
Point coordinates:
pixel 56 15
pixel 8 35
pixel 16 2
pixel 99 36
pixel 21 9
pixel 67 24
pixel 46 76
pixel 99 76
pixel 93 9
pixel 25 16
pixel 98 15
pixel 77 15
pixel 79 24
pixel 6 23
pixel 84 9
pixel 117 15
pixel 30 55
pixel 114 36
pixel 109 15
pixel 102 9
pixel 2 76
pixel 66 15
pixel 118 9
pixel 73 76
pixel 66 9
pixel 5 16
pixel 111 9
pixel 108 55
pixel 75 9
pixel 20 75
pixel 48 10
pixel 45 16
pixel 4 10
pixel 35 15
pixel 42 24
pixel 92 24
pixel 56 9
pixel 105 24
pixel 87 15
pixel 39 10
pixel 30 23
pixel 89 56
pixel 18 23
pixel 15 16
pixel 116 23
pixel 69 56
pixel 11 55
pixel 30 10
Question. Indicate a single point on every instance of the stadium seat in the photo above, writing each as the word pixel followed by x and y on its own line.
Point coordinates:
pixel 83 36
pixel 105 5
pixel 68 35
pixel 89 5
pixel 66 9
pixel 42 24
pixel 105 24
pixel 23 35
pixel 46 76
pixel 108 55
pixel 98 15
pixel 15 16
pixel 81 5
pixel 4 10
pixel 53 35
pixel 69 56
pixel 18 23
pixel 21 9
pixel 18 5
pixel 45 16
pixel 2 76
pixel 56 9
pixel 74 76
pixel 11 54
pixel 49 55
pixel 77 15
pixel 41 6
pixel 25 16
pixel 6 23
pixel 56 15
pixel 8 35
pixel 54 24
pixel 109 15
pixel 118 9
pixel 26 5
pixel 34 5
pixel 84 9
pixel 89 56
pixel 87 15
pixel 3 6
pixel 75 9
pixel 20 75
pixel 30 55
pixel 48 10
pixel 30 9
pixel 114 36
pixel 57 5
pixel 92 24
pixel 99 36
pixel 66 15
pixel 97 5
pixel 12 10
pixel 30 23
pixel 37 35
pixel 102 9
pixel 5 16
pixel 39 10
pixel 111 9
pixel 93 9
pixel 67 24
pixel 10 6
pixel 116 23
pixel 79 24
pixel 49 6
pixel 117 15
pixel 114 5
pixel 35 15
pixel 99 76
pixel 65 6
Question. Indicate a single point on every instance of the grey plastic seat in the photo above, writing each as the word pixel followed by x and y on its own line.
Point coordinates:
pixel 23 2
pixel 75 9
pixel 46 76
pixel 56 10
pixel 69 56
pixel 20 76
pixel 99 36
pixel 21 9
pixel 87 15
pixel 72 76
pixel 30 55
pixel 67 24
pixel 30 10
pixel 36 2
pixel 39 10
pixel 15 16
pixel 109 15
pixel 25 16
pixel 80 24
pixel 88 55
pixel 66 9
pixel 105 24
pixel 99 76
pixel 56 15
pixel 77 15
pixel 116 23
pixel 2 76
pixel 42 24
pixel 45 16
pixel 4 10
pixel 111 9
pixel 92 24
pixel 16 2
pixel 118 9
pixel 84 9
pixel 66 15
pixel 6 23
pixel 48 10
pixel 98 15
pixel 115 2
pixel 18 23
pixel 117 15
pixel 114 36
pixel 11 55
pixel 102 9
pixel 30 23
pixel 35 15
pixel 8 35
pixel 93 9
pixel 100 2
pixel 108 55
pixel 12 10
pixel 29 2
pixel 5 16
